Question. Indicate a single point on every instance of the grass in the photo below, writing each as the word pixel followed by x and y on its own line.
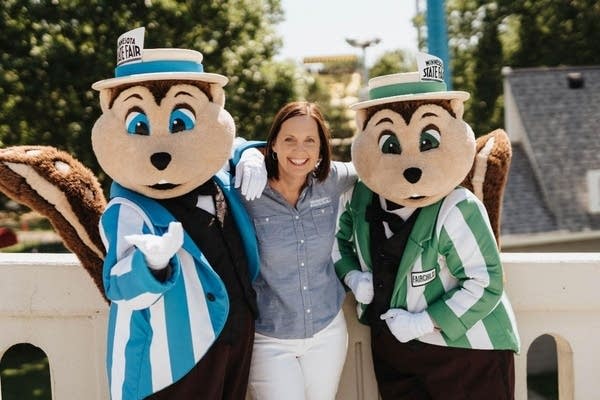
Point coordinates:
pixel 25 374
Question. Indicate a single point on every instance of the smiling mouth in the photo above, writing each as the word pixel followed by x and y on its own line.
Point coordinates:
pixel 298 162
pixel 416 197
pixel 163 186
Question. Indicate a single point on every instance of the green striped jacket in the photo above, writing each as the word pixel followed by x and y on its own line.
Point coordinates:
pixel 451 268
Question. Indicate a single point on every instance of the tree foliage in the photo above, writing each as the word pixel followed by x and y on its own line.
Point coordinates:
pixel 392 62
pixel 52 51
pixel 488 35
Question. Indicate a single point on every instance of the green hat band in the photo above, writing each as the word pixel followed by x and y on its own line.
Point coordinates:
pixel 400 89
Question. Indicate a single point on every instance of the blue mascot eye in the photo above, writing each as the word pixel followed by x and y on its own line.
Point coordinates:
pixel 389 144
pixel 137 123
pixel 182 119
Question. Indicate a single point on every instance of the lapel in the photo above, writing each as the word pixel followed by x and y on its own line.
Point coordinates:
pixel 361 199
pixel 242 221
pixel 159 216
pixel 421 233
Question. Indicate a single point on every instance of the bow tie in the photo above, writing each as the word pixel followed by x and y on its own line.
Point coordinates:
pixel 190 199
pixel 391 206
pixel 375 214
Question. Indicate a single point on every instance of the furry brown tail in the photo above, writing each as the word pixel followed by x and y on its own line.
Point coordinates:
pixel 59 187
pixel 488 176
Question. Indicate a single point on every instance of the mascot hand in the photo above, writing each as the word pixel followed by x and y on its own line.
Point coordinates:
pixel 158 250
pixel 251 174
pixel 361 284
pixel 406 326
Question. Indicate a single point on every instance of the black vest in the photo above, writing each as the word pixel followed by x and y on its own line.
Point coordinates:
pixel 386 254
pixel 221 244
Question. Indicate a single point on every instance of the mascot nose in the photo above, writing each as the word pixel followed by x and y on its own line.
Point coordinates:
pixel 412 174
pixel 160 160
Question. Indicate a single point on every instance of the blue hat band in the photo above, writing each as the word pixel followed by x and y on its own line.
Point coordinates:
pixel 400 89
pixel 150 67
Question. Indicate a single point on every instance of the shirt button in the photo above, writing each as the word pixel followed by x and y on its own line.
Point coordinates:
pixel 266 219
pixel 210 297
pixel 302 264
pixel 301 240
pixel 297 217
pixel 304 288
pixel 308 310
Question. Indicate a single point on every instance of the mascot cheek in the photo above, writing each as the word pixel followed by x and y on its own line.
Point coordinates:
pixel 364 153
pixel 106 147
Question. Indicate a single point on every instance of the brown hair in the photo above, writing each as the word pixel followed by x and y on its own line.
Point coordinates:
pixel 159 88
pixel 407 108
pixel 296 109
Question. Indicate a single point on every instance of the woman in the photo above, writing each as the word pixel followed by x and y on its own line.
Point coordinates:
pixel 301 337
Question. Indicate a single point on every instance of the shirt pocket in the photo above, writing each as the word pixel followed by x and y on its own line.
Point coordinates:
pixel 272 230
pixel 324 220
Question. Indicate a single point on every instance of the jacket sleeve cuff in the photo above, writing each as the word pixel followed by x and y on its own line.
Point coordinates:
pixel 444 318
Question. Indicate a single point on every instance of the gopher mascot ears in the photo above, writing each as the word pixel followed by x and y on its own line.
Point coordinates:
pixel 425 148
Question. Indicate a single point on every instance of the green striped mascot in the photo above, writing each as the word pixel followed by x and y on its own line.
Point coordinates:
pixel 417 249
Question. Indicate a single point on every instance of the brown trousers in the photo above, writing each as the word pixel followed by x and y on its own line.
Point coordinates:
pixel 420 371
pixel 222 374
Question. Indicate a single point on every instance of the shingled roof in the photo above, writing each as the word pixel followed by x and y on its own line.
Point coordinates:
pixel 558 143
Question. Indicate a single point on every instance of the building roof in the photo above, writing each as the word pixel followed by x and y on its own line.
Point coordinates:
pixel 547 185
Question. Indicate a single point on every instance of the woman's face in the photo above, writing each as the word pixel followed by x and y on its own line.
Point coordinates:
pixel 297 147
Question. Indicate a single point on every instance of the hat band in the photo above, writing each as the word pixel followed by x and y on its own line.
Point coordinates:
pixel 149 67
pixel 400 89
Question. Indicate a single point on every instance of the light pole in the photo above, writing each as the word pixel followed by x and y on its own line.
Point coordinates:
pixel 363 45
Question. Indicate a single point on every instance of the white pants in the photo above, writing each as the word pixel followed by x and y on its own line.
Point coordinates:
pixel 299 369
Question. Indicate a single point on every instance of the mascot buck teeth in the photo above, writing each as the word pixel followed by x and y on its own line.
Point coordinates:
pixel 176 252
pixel 418 250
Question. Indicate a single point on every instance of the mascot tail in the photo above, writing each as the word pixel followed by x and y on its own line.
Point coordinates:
pixel 59 187
pixel 488 176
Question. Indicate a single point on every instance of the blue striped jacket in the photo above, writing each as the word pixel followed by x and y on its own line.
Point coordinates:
pixel 157 331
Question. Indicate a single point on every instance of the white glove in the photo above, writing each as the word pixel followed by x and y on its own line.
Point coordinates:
pixel 158 250
pixel 361 284
pixel 251 173
pixel 406 326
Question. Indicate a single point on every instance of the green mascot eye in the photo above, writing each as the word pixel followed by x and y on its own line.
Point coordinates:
pixel 389 144
pixel 430 139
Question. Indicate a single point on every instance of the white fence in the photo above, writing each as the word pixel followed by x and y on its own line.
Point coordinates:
pixel 49 301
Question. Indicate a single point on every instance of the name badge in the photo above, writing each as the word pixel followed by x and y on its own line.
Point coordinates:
pixel 422 278
pixel 320 202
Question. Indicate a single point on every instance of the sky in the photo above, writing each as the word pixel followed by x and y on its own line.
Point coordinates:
pixel 320 27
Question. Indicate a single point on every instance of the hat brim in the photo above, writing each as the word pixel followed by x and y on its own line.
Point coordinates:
pixel 411 97
pixel 159 76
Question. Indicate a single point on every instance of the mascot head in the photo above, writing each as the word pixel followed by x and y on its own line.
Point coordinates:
pixel 412 146
pixel 163 129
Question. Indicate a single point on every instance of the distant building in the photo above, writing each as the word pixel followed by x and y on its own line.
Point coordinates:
pixel 552 198
pixel 342 77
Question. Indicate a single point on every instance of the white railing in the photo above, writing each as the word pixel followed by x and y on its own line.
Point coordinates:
pixel 49 301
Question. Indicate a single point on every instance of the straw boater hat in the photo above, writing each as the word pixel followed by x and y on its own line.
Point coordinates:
pixel 157 64
pixel 409 86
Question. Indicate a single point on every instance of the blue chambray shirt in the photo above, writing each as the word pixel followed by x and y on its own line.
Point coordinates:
pixel 297 289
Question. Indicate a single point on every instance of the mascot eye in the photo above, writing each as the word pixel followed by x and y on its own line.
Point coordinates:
pixel 430 139
pixel 389 144
pixel 181 119
pixel 137 123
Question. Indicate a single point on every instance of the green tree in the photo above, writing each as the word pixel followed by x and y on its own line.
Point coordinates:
pixel 392 62
pixel 487 35
pixel 52 51
pixel 487 91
